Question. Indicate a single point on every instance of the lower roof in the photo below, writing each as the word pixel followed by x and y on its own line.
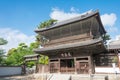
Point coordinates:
pixel 114 44
pixel 69 45
pixel 30 56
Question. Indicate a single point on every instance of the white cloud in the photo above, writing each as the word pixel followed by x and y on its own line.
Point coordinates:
pixel 73 9
pixel 115 41
pixel 14 37
pixel 117 37
pixel 109 19
pixel 60 15
pixel 112 29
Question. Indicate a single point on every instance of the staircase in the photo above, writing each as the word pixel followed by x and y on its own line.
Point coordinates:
pixel 60 77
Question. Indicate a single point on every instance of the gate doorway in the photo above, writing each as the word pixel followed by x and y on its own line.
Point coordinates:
pixel 67 66
pixel 54 66
pixel 82 65
pixel 84 68
pixel 79 65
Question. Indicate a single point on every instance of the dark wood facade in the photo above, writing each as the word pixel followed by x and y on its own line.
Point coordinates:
pixel 105 59
pixel 71 44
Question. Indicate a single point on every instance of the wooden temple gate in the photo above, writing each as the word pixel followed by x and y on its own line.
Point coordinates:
pixel 71 44
pixel 80 65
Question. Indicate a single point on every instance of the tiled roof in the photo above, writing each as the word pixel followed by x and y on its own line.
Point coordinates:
pixel 70 45
pixel 71 20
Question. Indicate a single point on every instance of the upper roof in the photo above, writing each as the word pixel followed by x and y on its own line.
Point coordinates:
pixel 70 45
pixel 72 20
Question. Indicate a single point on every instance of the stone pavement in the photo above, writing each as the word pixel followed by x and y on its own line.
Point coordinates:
pixel 64 77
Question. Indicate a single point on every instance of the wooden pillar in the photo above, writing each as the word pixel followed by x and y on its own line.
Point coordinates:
pixel 49 66
pixel 118 57
pixel 59 65
pixel 90 65
pixel 37 67
pixel 119 60
pixel 24 68
pixel 75 65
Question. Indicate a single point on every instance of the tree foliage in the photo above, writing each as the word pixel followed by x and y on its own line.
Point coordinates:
pixel 106 37
pixel 43 59
pixel 115 59
pixel 3 41
pixel 1 52
pixel 46 23
pixel 39 38
pixel 15 55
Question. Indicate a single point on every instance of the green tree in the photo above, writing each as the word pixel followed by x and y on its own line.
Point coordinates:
pixel 34 45
pixel 11 51
pixel 41 39
pixel 46 23
pixel 15 55
pixel 2 42
pixel 115 59
pixel 43 59
pixel 106 37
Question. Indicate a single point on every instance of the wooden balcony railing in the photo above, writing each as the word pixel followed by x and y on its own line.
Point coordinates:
pixel 66 69
pixel 54 70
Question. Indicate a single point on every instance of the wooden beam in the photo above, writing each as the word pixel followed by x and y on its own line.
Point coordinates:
pixel 59 65
pixel 75 65
pixel 90 67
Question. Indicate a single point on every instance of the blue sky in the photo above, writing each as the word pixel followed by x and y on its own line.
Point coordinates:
pixel 19 18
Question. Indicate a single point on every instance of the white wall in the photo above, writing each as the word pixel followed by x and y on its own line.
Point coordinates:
pixel 107 70
pixel 7 71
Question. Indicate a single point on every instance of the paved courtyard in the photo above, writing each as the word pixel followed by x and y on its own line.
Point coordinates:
pixel 72 77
